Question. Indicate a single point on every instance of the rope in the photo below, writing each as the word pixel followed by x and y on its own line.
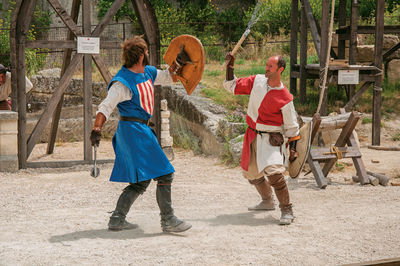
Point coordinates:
pixel 325 69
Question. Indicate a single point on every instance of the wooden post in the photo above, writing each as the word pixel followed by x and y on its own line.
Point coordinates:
pixel 313 27
pixel 87 84
pixel 294 29
pixel 66 61
pixel 353 41
pixel 303 56
pixel 23 23
pixel 377 97
pixel 342 23
pixel 324 50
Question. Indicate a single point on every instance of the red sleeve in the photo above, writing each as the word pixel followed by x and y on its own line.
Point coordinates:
pixel 244 85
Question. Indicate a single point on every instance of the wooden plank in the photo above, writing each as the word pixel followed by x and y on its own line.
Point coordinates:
pixel 101 66
pixel 342 23
pixel 107 17
pixel 66 60
pixel 68 44
pixel 323 57
pixel 342 139
pixel 303 56
pixel 357 95
pixel 313 27
pixel 321 153
pixel 363 29
pixel 13 57
pixel 23 22
pixel 389 52
pixel 353 32
pixel 382 148
pixel 316 122
pixel 382 262
pixel 316 170
pixel 357 162
pixel 55 98
pixel 148 22
pixel 294 30
pixel 68 21
pixel 330 122
pixel 378 60
pixel 87 85
pixel 64 164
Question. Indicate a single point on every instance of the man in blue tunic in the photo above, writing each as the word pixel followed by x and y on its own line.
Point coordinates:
pixel 138 155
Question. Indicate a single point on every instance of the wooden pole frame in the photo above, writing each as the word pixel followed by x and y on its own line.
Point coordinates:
pixel 21 18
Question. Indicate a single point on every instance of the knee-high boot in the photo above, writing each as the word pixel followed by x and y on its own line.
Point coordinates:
pixel 278 182
pixel 265 191
pixel 169 222
pixel 128 196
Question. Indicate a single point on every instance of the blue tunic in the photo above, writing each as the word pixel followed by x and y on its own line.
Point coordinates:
pixel 138 156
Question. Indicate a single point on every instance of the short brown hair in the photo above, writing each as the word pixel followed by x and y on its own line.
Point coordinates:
pixel 132 49
pixel 281 62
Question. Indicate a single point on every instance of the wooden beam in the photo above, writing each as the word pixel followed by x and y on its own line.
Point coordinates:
pixel 389 52
pixel 23 22
pixel 313 27
pixel 148 22
pixel 303 56
pixel 325 153
pixel 342 139
pixel 107 17
pixel 68 21
pixel 342 23
pixel 55 98
pixel 101 66
pixel 69 44
pixel 87 85
pixel 63 164
pixel 13 55
pixel 323 56
pixel 357 95
pixel 66 60
pixel 377 96
pixel 294 31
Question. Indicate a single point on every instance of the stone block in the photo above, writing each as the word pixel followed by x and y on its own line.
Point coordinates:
pixel 164 105
pixel 365 53
pixel 8 141
pixel 165 127
pixel 165 114
pixel 167 142
pixel 165 134
pixel 393 71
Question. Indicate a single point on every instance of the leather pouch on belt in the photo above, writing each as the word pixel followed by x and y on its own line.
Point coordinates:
pixel 276 139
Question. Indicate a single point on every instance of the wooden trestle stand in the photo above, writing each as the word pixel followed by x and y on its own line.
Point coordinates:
pixel 329 155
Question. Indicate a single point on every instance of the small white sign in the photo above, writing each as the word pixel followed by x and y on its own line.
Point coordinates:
pixel 88 45
pixel 348 76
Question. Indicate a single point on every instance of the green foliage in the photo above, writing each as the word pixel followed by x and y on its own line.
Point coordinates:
pixel 34 60
pixel 396 137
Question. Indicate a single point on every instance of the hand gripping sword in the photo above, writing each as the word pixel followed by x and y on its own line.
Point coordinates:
pixel 254 18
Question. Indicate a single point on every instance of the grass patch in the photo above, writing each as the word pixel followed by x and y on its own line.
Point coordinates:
pixel 396 137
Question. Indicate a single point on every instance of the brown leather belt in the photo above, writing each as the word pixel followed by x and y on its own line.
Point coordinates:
pixel 136 119
pixel 257 131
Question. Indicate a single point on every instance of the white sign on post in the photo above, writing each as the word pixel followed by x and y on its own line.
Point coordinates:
pixel 88 45
pixel 348 76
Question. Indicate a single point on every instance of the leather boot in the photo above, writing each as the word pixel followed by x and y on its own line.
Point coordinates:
pixel 265 191
pixel 128 196
pixel 169 222
pixel 278 182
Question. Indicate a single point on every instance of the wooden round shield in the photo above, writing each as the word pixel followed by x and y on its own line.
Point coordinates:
pixel 303 148
pixel 191 73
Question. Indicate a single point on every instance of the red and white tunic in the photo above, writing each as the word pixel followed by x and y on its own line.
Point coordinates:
pixel 269 110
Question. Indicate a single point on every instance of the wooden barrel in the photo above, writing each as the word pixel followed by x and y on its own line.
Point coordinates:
pixel 8 141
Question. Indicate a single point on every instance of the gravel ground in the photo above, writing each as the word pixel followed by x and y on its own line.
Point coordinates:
pixel 59 217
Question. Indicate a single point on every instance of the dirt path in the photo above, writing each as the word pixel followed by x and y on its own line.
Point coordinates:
pixel 59 217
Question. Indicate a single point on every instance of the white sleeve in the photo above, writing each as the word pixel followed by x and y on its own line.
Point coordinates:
pixel 117 93
pixel 163 77
pixel 230 85
pixel 290 125
pixel 28 84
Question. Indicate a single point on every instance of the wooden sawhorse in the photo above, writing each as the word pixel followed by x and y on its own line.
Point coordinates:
pixel 329 155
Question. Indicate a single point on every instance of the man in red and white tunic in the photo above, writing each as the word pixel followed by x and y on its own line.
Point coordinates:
pixel 270 115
